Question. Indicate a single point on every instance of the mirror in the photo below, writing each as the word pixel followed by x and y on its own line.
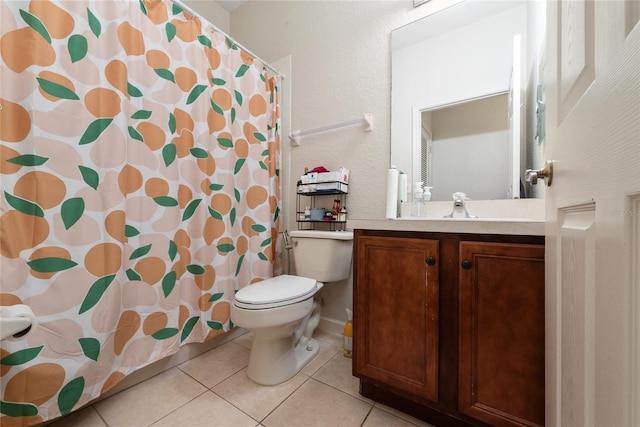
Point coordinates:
pixel 465 94
pixel 469 138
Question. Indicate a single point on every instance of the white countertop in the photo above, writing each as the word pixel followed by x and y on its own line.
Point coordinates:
pixel 515 217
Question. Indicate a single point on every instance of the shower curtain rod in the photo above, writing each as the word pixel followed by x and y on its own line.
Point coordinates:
pixel 202 18
pixel 367 120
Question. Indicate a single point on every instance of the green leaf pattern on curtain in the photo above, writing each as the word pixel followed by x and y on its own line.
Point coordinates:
pixel 140 151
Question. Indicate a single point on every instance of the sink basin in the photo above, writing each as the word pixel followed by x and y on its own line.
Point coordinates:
pixel 515 210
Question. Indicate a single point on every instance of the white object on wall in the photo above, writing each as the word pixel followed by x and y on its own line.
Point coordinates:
pixel 367 120
pixel 16 322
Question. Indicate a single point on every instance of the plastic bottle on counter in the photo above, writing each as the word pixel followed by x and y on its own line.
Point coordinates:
pixel 418 207
pixel 347 348
pixel 427 194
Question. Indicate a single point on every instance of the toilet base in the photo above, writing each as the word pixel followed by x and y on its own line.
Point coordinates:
pixel 278 360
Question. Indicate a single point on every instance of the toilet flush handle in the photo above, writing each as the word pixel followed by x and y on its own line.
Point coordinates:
pixel 288 244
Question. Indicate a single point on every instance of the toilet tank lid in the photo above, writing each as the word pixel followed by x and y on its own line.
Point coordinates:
pixel 276 289
pixel 320 234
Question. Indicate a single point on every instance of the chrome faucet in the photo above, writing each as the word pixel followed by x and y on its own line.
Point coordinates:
pixel 459 207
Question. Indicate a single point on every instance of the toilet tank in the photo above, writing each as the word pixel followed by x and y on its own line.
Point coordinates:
pixel 322 255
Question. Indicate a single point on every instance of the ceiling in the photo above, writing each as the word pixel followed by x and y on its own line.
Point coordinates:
pixel 230 5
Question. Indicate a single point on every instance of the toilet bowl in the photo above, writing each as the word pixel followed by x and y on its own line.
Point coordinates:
pixel 284 311
pixel 275 309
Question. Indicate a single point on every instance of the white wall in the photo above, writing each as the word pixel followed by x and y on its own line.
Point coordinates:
pixel 211 11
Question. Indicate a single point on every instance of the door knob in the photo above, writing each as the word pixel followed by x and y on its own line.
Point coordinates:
pixel 546 173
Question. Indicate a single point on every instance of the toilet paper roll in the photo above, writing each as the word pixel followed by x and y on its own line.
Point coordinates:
pixel 16 322
pixel 392 193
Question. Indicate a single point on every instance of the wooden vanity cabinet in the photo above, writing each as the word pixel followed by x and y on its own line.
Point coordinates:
pixel 501 333
pixel 400 309
pixel 450 327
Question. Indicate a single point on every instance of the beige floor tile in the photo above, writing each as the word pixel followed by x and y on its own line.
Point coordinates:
pixel 379 418
pixel 86 417
pixel 256 400
pixel 327 351
pixel 402 415
pixel 245 340
pixel 207 410
pixel 218 364
pixel 317 404
pixel 150 400
pixel 329 338
pixel 337 373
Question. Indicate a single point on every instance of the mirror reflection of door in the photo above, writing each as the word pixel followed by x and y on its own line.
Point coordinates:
pixel 470 142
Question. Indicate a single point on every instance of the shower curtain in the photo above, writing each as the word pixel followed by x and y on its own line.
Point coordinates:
pixel 140 154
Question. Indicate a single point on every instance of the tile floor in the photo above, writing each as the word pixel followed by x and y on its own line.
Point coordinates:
pixel 324 393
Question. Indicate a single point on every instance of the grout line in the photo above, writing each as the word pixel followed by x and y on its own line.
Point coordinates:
pixel 99 415
pixel 238 408
pixel 177 409
pixel 288 396
pixel 366 416
pixel 309 377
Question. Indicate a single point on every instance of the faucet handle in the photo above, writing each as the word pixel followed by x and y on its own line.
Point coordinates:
pixel 458 203
pixel 459 195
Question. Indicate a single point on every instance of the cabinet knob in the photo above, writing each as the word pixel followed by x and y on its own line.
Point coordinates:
pixel 431 261
pixel 466 264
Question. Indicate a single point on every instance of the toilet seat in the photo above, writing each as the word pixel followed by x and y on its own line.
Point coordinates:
pixel 275 292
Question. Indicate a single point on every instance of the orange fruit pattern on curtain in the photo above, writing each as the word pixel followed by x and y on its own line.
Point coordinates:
pixel 140 156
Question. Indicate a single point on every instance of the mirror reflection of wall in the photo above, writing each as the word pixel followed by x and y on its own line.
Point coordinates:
pixel 469 141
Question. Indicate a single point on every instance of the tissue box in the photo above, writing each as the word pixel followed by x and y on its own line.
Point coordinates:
pixel 323 186
pixel 341 175
pixel 332 186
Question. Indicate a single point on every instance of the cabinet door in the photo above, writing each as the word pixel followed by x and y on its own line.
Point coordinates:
pixel 501 340
pixel 396 314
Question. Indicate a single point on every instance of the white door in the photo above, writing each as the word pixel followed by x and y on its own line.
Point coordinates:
pixel 593 213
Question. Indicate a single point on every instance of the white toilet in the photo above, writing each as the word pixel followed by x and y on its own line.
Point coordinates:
pixel 282 311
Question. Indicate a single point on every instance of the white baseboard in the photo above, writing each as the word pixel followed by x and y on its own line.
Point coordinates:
pixel 331 325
